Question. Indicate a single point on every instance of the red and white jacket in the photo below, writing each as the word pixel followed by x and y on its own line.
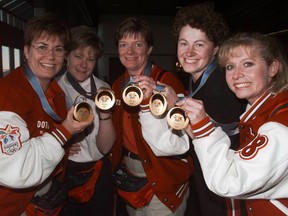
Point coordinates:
pixel 257 171
pixel 31 141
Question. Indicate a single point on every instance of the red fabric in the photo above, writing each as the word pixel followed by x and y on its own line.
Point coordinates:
pixel 137 199
pixel 164 184
pixel 18 96
pixel 83 193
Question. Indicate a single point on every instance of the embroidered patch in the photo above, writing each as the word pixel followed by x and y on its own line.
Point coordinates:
pixel 10 140
pixel 251 150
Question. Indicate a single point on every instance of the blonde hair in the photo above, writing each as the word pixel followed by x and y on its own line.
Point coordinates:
pixel 266 47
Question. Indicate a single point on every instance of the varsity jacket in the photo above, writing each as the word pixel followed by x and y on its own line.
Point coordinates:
pixel 257 170
pixel 168 176
pixel 30 140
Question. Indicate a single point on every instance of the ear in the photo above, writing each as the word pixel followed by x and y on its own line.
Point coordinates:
pixel 215 50
pixel 150 50
pixel 26 51
pixel 273 68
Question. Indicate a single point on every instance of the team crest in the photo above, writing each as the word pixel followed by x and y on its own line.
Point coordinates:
pixel 10 140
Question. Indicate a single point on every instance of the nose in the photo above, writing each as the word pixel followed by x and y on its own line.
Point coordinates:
pixel 190 51
pixel 83 63
pixel 237 72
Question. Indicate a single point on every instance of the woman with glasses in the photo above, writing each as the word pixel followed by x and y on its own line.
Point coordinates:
pixel 35 124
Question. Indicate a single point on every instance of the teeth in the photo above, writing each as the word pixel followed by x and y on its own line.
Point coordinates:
pixel 189 61
pixel 241 85
pixel 48 65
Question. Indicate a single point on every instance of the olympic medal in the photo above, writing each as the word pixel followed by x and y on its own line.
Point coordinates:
pixel 82 111
pixel 158 104
pixel 176 118
pixel 105 99
pixel 132 95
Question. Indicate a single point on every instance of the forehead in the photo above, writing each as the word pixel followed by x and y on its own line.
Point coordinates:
pixel 133 36
pixel 85 49
pixel 190 33
pixel 44 37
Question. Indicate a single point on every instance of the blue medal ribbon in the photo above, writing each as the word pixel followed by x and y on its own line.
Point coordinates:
pixel 36 86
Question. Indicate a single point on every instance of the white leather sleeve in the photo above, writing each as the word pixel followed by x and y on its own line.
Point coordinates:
pixel 161 138
pixel 25 161
pixel 258 171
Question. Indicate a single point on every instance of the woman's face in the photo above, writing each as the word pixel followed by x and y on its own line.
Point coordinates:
pixel 45 57
pixel 195 51
pixel 247 75
pixel 133 53
pixel 81 63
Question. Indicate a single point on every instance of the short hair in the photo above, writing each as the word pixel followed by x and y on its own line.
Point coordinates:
pixel 84 36
pixel 49 25
pixel 202 16
pixel 134 26
pixel 265 46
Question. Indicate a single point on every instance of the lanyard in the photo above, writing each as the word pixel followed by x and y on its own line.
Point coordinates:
pixel 90 95
pixel 147 71
pixel 210 68
pixel 36 86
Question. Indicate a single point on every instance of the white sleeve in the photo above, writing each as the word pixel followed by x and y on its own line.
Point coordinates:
pixel 25 161
pixel 162 140
pixel 257 171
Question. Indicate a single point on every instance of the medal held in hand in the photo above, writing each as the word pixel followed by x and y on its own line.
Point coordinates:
pixel 82 110
pixel 105 99
pixel 158 102
pixel 132 94
pixel 177 119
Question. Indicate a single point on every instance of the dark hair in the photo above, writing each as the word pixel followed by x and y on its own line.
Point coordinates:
pixel 134 26
pixel 203 17
pixel 84 36
pixel 265 46
pixel 49 25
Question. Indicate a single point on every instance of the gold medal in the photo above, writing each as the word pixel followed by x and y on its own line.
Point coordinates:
pixel 158 102
pixel 105 99
pixel 132 95
pixel 82 111
pixel 176 118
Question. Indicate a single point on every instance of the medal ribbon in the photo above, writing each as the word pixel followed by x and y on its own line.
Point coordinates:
pixel 212 65
pixel 36 86
pixel 90 95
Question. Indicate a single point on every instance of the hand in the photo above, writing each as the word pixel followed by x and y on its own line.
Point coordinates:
pixel 147 84
pixel 74 126
pixel 170 94
pixel 74 149
pixel 194 109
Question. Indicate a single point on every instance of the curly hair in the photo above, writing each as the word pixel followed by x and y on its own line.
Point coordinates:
pixel 203 17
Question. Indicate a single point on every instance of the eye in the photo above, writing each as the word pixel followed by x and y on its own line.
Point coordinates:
pixel 42 47
pixel 199 45
pixel 122 45
pixel 182 43
pixel 248 64
pixel 229 67
pixel 92 60
pixel 59 50
pixel 139 45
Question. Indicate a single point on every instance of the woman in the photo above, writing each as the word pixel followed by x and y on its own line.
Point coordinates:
pixel 89 148
pixel 34 122
pixel 257 171
pixel 199 31
pixel 165 192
